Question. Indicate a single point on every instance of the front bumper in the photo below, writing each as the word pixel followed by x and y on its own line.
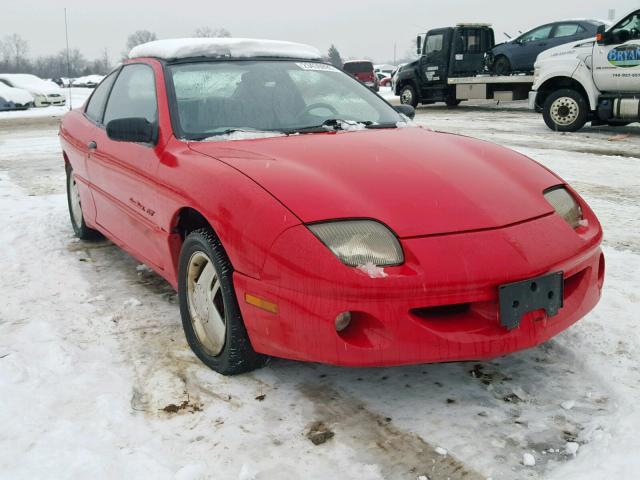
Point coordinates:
pixel 441 305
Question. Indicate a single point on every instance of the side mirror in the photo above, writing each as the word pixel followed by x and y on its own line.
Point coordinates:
pixel 419 45
pixel 600 34
pixel 407 110
pixel 138 130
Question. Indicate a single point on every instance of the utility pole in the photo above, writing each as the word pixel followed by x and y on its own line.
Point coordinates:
pixel 66 34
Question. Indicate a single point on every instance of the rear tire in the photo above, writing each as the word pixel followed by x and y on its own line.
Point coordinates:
pixel 209 308
pixel 502 66
pixel 409 96
pixel 76 215
pixel 565 111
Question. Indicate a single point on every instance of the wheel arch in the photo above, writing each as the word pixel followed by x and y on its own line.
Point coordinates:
pixel 556 83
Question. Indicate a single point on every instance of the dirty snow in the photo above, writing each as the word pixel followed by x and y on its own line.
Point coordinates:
pixel 91 387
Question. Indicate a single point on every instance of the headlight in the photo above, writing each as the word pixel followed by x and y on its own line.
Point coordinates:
pixel 360 242
pixel 565 205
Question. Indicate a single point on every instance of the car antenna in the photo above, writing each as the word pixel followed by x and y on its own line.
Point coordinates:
pixel 66 34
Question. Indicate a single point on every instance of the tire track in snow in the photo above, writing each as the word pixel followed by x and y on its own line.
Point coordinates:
pixel 376 440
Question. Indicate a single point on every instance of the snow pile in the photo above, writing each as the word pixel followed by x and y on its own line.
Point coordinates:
pixel 223 47
pixel 528 460
pixel 15 95
pixel 373 270
pixel 243 135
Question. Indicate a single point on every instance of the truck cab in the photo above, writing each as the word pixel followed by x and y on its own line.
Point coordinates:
pixel 452 68
pixel 596 80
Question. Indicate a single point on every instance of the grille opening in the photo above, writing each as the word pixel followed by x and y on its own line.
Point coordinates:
pixel 441 311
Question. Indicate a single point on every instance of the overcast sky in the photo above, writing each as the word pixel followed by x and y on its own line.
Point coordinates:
pixel 357 28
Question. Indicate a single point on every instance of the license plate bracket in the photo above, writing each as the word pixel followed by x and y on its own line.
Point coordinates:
pixel 518 298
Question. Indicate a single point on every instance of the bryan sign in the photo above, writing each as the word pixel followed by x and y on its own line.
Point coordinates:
pixel 625 56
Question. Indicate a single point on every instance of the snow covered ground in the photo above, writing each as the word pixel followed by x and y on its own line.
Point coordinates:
pixel 97 381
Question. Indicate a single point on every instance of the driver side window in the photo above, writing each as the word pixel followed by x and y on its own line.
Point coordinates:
pixel 541 33
pixel 433 44
pixel 628 29
pixel 133 95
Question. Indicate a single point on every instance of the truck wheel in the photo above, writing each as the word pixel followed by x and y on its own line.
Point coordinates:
pixel 565 111
pixel 502 66
pixel 409 96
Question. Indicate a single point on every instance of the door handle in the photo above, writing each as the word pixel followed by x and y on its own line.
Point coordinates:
pixel 92 145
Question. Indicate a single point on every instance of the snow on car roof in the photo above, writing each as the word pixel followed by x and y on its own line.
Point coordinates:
pixel 177 48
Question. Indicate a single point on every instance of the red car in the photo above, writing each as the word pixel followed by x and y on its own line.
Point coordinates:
pixel 363 70
pixel 299 215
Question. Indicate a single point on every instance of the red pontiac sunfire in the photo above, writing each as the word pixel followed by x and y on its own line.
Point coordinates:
pixel 301 216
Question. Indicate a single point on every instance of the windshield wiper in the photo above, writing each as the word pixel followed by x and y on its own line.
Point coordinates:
pixel 329 125
pixel 376 126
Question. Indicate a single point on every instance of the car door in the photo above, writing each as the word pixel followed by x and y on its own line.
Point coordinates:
pixel 434 63
pixel 527 47
pixel 122 173
pixel 79 142
pixel 616 58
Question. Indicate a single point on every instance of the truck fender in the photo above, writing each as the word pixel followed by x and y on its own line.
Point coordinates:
pixel 558 74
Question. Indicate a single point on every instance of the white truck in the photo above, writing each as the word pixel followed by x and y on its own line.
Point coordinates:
pixel 595 81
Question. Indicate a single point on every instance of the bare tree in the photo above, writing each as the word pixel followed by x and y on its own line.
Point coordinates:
pixel 15 49
pixel 208 32
pixel 137 38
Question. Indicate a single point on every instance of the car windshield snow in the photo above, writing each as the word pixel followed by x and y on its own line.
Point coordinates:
pixel 221 97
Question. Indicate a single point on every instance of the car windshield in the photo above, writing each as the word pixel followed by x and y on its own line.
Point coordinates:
pixel 218 97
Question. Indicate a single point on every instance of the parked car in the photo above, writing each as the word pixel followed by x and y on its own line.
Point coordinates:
pixel 14 98
pixel 296 218
pixel 387 70
pixel 88 81
pixel 44 92
pixel 385 82
pixel 363 71
pixel 520 54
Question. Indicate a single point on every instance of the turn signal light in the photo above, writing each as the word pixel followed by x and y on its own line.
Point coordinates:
pixel 261 303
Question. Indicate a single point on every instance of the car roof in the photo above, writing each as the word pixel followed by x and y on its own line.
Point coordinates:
pixel 180 48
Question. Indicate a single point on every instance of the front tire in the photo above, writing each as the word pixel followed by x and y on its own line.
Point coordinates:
pixel 565 111
pixel 409 96
pixel 211 317
pixel 76 215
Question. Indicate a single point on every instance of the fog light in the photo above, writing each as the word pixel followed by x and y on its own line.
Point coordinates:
pixel 342 321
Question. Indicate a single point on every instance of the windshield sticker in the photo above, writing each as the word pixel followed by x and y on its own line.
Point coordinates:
pixel 318 67
pixel 625 56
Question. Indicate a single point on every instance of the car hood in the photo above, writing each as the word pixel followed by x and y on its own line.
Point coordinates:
pixel 415 181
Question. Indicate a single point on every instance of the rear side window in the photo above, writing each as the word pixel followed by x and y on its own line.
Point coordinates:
pixel 358 67
pixel 133 95
pixel 567 30
pixel 95 107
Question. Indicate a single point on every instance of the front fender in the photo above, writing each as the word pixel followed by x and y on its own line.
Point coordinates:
pixel 246 217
